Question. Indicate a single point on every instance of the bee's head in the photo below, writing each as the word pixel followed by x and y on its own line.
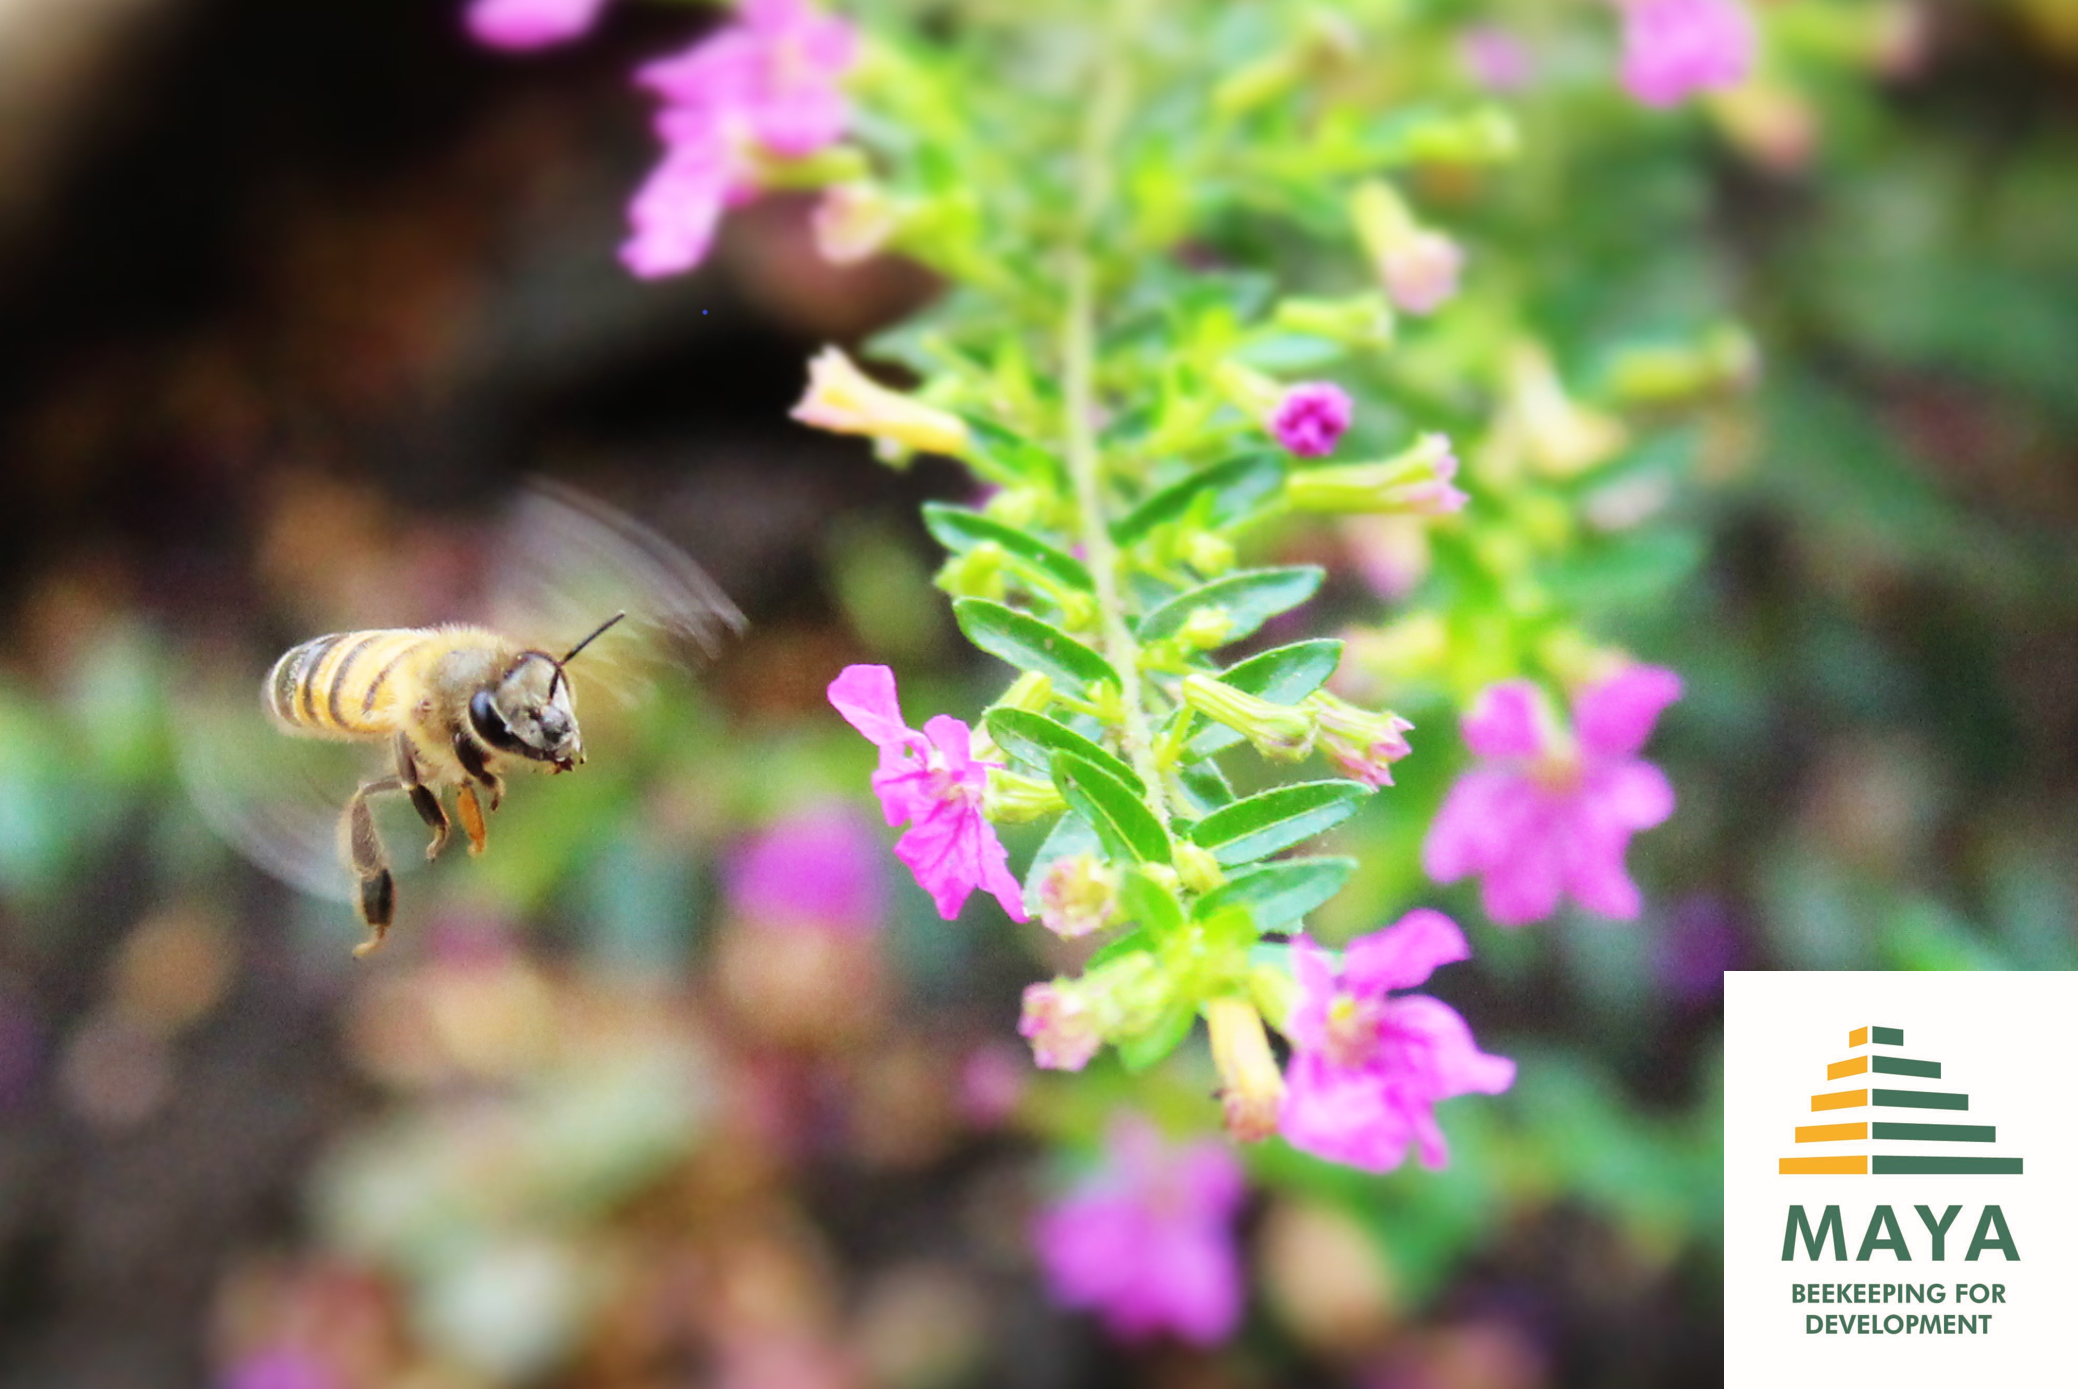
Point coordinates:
pixel 528 712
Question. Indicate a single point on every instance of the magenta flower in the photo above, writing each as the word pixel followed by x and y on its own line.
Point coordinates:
pixel 1496 58
pixel 1675 48
pixel 1310 419
pixel 279 1369
pixel 1061 1025
pixel 932 781
pixel 1147 1242
pixel 1551 811
pixel 763 87
pixel 1367 1067
pixel 523 24
pixel 818 868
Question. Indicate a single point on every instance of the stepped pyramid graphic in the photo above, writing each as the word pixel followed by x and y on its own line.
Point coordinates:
pixel 1830 1155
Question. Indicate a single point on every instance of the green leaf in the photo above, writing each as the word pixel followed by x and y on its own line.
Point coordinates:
pixel 960 530
pixel 1277 819
pixel 1008 458
pixel 1206 786
pixel 1036 738
pixel 1282 675
pixel 1233 490
pixel 1291 352
pixel 1278 895
pixel 1250 598
pixel 1030 644
pixel 1143 1049
pixel 1124 945
pixel 1124 825
pixel 1151 906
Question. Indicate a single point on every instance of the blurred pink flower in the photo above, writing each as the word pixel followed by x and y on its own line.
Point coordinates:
pixel 523 24
pixel 1675 48
pixel 1496 58
pixel 279 1369
pixel 993 1080
pixel 1552 811
pixel 817 867
pixel 765 86
pixel 931 780
pixel 1311 418
pixel 1147 1241
pixel 1367 1069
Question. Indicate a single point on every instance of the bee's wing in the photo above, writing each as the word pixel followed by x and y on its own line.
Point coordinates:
pixel 567 562
pixel 277 800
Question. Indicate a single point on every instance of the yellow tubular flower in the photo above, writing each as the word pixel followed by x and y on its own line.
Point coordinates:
pixel 844 400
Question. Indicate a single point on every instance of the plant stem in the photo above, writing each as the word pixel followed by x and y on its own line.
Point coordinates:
pixel 1107 113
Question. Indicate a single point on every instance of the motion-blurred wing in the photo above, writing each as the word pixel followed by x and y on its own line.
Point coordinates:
pixel 566 562
pixel 277 800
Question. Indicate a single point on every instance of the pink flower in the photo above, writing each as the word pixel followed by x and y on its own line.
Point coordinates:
pixel 931 780
pixel 818 867
pixel 1551 811
pixel 523 24
pixel 765 86
pixel 1675 48
pixel 1496 58
pixel 1311 418
pixel 1147 1242
pixel 1367 1068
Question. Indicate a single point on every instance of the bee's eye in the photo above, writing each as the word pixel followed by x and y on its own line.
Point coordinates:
pixel 490 725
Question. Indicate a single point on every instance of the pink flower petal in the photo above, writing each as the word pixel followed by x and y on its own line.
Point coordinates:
pixel 1615 717
pixel 1443 1056
pixel 865 695
pixel 519 25
pixel 1507 721
pixel 1675 48
pixel 1404 954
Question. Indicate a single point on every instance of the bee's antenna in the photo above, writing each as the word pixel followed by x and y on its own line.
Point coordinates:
pixel 571 655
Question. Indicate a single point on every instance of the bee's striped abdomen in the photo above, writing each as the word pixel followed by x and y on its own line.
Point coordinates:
pixel 339 685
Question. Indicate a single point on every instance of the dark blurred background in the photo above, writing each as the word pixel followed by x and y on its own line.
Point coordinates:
pixel 294 293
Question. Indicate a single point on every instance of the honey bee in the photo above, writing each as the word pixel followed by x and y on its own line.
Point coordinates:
pixel 456 707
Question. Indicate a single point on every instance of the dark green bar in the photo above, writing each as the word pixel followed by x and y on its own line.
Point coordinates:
pixel 1887 1036
pixel 1919 1099
pixel 1883 1164
pixel 1937 1133
pixel 1899 1066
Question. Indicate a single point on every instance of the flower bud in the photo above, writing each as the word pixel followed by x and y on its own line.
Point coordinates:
pixel 1311 418
pixel 844 400
pixel 1061 1026
pixel 1078 895
pixel 1206 628
pixel 1251 1086
pixel 1359 320
pixel 1417 482
pixel 976 574
pixel 1361 744
pixel 1208 553
pixel 1278 731
pixel 1563 439
pixel 1012 799
pixel 1031 692
pixel 1197 868
pixel 853 221
pixel 1418 267
pixel 1247 389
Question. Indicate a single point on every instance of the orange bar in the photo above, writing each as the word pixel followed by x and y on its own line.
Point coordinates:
pixel 1840 1099
pixel 1852 1066
pixel 1830 1133
pixel 1857 1166
pixel 1859 1037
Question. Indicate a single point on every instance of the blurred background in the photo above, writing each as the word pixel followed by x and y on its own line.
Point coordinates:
pixel 296 294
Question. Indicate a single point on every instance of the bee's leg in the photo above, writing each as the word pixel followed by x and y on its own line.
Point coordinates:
pixel 471 758
pixel 472 816
pixel 378 898
pixel 424 799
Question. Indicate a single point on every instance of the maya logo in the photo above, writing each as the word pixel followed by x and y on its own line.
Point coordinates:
pixel 1857 1146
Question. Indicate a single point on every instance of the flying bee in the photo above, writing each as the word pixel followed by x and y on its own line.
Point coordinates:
pixel 456 707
